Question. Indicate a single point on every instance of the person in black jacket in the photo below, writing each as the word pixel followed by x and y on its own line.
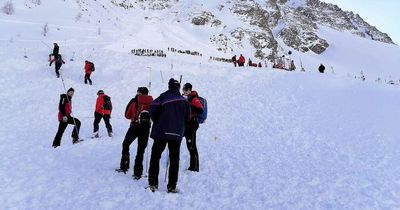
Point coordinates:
pixel 59 62
pixel 56 50
pixel 169 112
pixel 65 118
pixel 321 68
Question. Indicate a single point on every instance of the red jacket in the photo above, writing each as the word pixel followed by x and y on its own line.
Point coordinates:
pixel 99 105
pixel 64 107
pixel 195 104
pixel 136 105
pixel 242 59
pixel 88 68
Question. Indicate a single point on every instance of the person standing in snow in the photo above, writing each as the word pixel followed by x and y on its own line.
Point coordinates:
pixel 102 111
pixel 137 112
pixel 191 127
pixel 234 60
pixel 241 60
pixel 321 68
pixel 59 62
pixel 65 118
pixel 169 112
pixel 56 50
pixel 89 67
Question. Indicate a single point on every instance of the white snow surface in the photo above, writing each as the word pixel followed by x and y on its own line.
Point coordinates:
pixel 273 139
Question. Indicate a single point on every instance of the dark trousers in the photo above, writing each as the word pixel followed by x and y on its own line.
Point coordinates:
pixel 142 133
pixel 190 135
pixel 97 119
pixel 57 68
pixel 87 78
pixel 156 151
pixel 61 128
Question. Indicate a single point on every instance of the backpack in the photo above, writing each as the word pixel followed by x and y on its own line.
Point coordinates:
pixel 143 115
pixel 201 118
pixel 107 105
pixel 92 66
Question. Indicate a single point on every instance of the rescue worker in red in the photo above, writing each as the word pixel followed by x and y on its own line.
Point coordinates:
pixel 65 118
pixel 88 72
pixel 102 111
pixel 191 128
pixel 137 111
pixel 241 60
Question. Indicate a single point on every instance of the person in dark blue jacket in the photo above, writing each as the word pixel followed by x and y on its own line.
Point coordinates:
pixel 169 112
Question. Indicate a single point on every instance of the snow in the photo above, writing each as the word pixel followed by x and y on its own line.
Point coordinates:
pixel 273 139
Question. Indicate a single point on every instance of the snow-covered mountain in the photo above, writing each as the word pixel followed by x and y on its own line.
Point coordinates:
pixel 273 139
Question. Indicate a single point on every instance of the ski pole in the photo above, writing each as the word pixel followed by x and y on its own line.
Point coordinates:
pixel 166 166
pixel 162 78
pixel 45 44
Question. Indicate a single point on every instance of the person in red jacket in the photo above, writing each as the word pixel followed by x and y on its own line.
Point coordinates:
pixel 191 128
pixel 88 71
pixel 102 111
pixel 241 60
pixel 65 118
pixel 137 112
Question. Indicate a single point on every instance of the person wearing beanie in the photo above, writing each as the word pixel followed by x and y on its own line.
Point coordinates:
pixel 191 128
pixel 137 111
pixel 65 118
pixel 169 112
pixel 103 110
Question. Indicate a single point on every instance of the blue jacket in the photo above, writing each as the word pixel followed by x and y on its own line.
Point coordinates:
pixel 169 113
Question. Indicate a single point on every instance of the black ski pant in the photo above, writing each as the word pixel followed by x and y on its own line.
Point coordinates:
pixel 156 151
pixel 57 68
pixel 97 119
pixel 87 78
pixel 141 132
pixel 63 125
pixel 190 135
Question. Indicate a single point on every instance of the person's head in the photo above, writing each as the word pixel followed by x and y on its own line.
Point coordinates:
pixel 187 89
pixel 55 44
pixel 142 91
pixel 173 84
pixel 100 92
pixel 70 92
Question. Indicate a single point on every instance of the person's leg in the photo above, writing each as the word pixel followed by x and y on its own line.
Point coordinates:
pixel 142 144
pixel 156 151
pixel 106 118
pixel 77 126
pixel 61 128
pixel 174 150
pixel 130 136
pixel 97 119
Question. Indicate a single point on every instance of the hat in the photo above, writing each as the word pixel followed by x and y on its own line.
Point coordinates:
pixel 100 92
pixel 173 84
pixel 187 86
pixel 143 90
pixel 71 89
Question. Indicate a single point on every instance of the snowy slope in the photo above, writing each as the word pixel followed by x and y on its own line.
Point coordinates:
pixel 274 139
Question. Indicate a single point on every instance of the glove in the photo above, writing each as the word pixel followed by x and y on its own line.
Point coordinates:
pixel 65 119
pixel 49 64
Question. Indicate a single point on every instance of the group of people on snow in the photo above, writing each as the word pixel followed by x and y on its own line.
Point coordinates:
pixel 170 117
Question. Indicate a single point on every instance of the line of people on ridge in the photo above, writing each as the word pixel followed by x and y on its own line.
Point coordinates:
pixel 174 116
pixel 242 60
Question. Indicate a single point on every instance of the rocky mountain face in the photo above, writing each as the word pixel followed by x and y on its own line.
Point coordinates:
pixel 265 24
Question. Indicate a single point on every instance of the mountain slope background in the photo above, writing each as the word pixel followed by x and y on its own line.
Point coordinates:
pixel 274 139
